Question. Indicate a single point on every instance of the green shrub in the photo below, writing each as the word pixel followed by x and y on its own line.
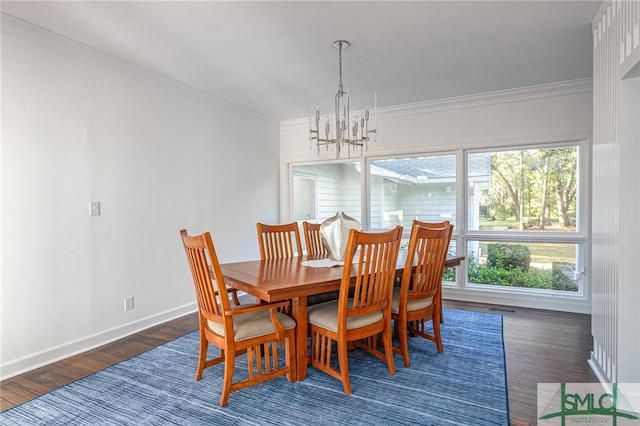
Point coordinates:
pixel 449 274
pixel 498 274
pixel 514 277
pixel 508 256
pixel 559 281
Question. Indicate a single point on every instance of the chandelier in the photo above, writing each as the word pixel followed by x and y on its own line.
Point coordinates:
pixel 344 132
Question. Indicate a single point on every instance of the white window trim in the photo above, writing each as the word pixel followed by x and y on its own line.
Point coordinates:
pixel 522 297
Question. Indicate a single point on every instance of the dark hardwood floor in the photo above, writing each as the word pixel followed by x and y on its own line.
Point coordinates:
pixel 541 346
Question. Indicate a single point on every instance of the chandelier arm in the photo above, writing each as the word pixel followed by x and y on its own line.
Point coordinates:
pixel 337 117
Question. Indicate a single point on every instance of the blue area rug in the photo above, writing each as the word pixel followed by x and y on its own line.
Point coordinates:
pixel 465 385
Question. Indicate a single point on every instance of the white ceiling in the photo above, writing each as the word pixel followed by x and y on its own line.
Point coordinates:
pixel 268 57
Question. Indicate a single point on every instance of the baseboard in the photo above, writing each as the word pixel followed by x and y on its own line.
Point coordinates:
pixel 597 370
pixel 519 299
pixel 66 350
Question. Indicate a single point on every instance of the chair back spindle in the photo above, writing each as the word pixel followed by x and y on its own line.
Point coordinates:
pixel 279 241
pixel 313 239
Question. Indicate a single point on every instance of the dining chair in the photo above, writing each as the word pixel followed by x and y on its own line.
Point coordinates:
pixel 418 299
pixel 315 248
pixel 361 317
pixel 279 241
pixel 313 240
pixel 436 225
pixel 431 224
pixel 256 330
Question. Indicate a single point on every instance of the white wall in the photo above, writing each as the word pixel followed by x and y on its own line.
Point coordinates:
pixel 615 321
pixel 548 113
pixel 80 126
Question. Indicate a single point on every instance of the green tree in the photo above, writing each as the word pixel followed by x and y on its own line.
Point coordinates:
pixel 534 183
pixel 506 169
pixel 563 170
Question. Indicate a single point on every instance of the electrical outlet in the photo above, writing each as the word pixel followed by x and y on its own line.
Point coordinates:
pixel 128 303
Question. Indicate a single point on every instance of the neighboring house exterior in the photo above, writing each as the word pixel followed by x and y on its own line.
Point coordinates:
pixel 402 190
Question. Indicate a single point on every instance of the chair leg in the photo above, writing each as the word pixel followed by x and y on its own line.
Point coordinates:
pixel 290 355
pixel 404 342
pixel 202 355
pixel 236 301
pixel 388 349
pixel 436 329
pixel 344 366
pixel 229 366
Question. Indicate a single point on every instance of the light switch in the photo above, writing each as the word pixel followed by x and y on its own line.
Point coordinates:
pixel 94 208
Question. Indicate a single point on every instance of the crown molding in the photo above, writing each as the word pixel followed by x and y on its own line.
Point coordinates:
pixel 562 88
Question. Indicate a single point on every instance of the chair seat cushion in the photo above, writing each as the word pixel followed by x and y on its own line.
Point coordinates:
pixel 325 315
pixel 253 324
pixel 412 305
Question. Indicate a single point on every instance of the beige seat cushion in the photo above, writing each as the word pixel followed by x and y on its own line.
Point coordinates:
pixel 412 305
pixel 325 315
pixel 253 324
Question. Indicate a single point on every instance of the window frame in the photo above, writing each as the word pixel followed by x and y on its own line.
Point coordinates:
pixel 580 237
pixel 461 288
pixel 291 173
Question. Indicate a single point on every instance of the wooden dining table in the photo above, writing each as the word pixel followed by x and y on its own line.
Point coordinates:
pixel 276 280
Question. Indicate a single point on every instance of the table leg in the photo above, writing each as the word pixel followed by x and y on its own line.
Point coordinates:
pixel 299 313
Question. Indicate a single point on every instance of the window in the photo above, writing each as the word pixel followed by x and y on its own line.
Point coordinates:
pixel 522 219
pixel 538 266
pixel 335 188
pixel 404 189
pixel 517 211
pixel 531 189
pixel 408 188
